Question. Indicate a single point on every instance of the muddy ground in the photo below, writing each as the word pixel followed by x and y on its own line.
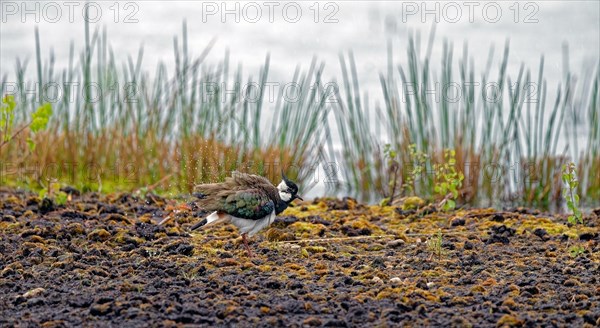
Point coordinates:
pixel 102 260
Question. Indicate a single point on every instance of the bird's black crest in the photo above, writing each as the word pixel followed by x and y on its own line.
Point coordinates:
pixel 291 185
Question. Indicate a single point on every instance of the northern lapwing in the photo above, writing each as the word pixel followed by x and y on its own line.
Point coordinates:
pixel 250 202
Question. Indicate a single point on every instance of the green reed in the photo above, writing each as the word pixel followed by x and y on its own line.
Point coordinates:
pixel 507 148
pixel 182 127
pixel 161 123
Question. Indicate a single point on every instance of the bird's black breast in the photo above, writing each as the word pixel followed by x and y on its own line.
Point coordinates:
pixel 280 206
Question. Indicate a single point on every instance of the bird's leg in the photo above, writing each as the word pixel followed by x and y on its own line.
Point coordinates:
pixel 246 245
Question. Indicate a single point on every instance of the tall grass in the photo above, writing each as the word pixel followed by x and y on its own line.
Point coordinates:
pixel 186 126
pixel 179 128
pixel 507 148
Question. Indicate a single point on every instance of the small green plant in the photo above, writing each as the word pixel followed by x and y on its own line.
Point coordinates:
pixel 7 117
pixel 53 192
pixel 417 166
pixel 153 253
pixel 569 177
pixel 448 181
pixel 393 167
pixel 434 245
pixel 575 251
pixel 192 274
pixel 39 121
pixel 418 160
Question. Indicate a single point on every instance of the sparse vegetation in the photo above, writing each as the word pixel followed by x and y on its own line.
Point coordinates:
pixel 7 118
pixel 569 178
pixel 576 251
pixel 448 181
pixel 393 168
pixel 52 191
pixel 38 121
pixel 417 168
pixel 189 274
pixel 434 245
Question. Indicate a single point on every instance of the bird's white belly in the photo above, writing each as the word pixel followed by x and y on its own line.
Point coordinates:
pixel 251 227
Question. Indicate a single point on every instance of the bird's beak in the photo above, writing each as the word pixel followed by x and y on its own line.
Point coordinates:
pixel 298 197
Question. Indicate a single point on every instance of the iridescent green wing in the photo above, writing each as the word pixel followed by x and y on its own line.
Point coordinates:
pixel 251 204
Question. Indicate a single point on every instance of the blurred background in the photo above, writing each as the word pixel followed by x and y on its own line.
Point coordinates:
pixel 186 109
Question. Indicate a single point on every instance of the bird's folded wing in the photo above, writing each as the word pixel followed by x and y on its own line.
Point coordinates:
pixel 251 204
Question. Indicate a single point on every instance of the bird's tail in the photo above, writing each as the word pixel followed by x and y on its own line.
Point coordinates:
pixel 199 224
pixel 212 218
